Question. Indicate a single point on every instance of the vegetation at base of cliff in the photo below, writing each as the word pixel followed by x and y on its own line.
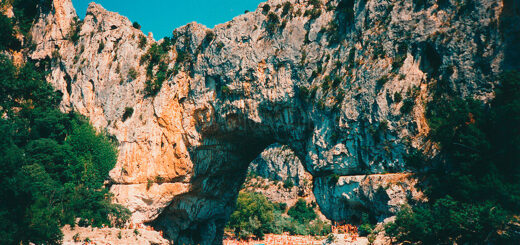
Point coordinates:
pixel 302 212
pixel 473 185
pixel 256 216
pixel 53 165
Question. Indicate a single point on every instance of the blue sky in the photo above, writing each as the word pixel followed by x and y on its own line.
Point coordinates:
pixel 162 16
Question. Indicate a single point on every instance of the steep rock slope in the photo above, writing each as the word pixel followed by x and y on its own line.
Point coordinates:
pixel 342 83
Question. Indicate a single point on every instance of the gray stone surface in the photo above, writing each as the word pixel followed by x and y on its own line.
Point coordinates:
pixel 278 162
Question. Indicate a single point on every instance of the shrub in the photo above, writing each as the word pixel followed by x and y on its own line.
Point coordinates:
pixel 149 184
pixel 407 106
pixel 159 179
pixel 288 183
pixel 128 113
pixel 142 41
pixel 182 57
pixel 253 215
pixel 7 38
pixel 315 3
pixel 132 74
pixel 319 228
pixel 379 51
pixel 398 62
pixel 155 56
pixel 136 25
pixel 301 212
pixel 397 97
pixel 336 82
pixel 366 227
pixel 266 8
pixel 75 30
pixel 281 206
pixel 287 8
pixel 371 238
pixel 26 12
pixel 272 23
pixel 312 13
pixel 418 4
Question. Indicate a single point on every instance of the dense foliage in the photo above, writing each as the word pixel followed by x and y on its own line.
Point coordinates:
pixel 301 212
pixel 7 39
pixel 53 164
pixel 256 216
pixel 253 215
pixel 474 184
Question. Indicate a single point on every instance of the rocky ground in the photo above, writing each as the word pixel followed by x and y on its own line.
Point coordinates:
pixel 112 236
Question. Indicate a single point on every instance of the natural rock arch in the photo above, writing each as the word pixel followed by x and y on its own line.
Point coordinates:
pixel 230 138
pixel 185 150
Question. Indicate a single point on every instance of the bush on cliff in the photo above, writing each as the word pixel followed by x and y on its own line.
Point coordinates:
pixel 480 147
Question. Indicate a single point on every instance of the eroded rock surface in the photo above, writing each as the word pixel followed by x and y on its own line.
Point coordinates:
pixel 278 162
pixel 381 195
pixel 328 80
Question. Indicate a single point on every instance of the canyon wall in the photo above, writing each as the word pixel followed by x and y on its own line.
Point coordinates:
pixel 342 84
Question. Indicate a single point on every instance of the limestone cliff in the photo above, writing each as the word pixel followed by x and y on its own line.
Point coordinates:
pixel 342 83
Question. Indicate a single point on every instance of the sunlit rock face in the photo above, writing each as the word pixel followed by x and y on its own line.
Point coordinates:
pixel 329 81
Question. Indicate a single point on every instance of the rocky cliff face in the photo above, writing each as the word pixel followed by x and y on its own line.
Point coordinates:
pixel 341 83
pixel 278 162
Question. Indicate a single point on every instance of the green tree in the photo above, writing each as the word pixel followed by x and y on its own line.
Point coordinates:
pixel 53 164
pixel 479 156
pixel 253 214
pixel 302 212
